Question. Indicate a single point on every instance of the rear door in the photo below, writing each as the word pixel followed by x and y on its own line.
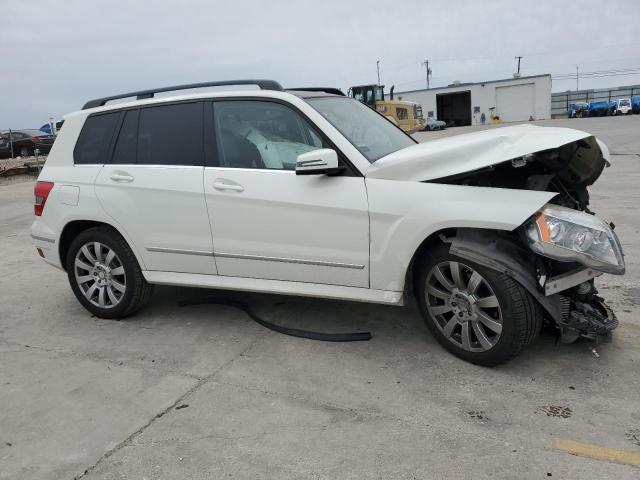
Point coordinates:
pixel 270 223
pixel 153 187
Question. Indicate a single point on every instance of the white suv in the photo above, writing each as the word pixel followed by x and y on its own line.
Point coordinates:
pixel 308 192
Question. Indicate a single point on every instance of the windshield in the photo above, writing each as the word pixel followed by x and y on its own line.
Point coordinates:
pixel 624 103
pixel 368 131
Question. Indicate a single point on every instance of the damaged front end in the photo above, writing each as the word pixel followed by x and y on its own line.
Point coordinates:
pixel 559 251
pixel 566 291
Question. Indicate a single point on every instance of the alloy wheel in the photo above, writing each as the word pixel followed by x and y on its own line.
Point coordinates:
pixel 464 306
pixel 99 274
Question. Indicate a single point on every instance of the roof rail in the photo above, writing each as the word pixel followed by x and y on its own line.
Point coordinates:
pixel 331 90
pixel 142 94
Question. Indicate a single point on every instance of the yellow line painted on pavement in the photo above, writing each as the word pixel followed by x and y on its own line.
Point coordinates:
pixel 599 453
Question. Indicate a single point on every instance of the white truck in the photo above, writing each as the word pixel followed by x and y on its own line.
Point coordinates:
pixel 622 106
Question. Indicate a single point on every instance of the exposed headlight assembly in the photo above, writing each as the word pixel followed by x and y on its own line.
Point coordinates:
pixel 571 236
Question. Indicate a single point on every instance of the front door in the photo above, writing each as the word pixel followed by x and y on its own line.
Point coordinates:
pixel 270 223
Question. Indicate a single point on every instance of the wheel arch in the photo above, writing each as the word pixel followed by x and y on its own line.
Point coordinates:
pixel 504 256
pixel 74 227
pixel 431 240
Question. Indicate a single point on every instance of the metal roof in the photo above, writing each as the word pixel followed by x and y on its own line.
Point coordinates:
pixel 470 84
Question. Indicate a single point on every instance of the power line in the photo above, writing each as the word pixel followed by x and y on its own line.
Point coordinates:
pixel 598 73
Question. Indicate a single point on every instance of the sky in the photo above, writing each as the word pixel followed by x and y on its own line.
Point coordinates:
pixel 58 54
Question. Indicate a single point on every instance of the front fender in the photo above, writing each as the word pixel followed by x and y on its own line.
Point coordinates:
pixel 404 213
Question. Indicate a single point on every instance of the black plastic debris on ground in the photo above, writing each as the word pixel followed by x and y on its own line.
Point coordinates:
pixel 294 332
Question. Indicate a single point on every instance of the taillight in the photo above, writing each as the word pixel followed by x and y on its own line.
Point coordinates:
pixel 41 192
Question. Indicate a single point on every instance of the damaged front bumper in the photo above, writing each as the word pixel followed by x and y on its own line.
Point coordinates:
pixel 570 299
pixel 594 321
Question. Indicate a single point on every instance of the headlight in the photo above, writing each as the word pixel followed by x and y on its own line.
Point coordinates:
pixel 571 236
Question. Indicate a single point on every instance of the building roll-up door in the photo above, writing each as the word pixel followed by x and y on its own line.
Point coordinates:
pixel 515 103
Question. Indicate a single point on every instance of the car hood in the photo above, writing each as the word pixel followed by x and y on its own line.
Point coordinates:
pixel 473 151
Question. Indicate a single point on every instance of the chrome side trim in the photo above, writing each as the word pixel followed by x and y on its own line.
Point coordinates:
pixel 288 260
pixel 43 239
pixel 179 251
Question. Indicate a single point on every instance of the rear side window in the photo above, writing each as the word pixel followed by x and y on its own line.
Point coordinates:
pixel 125 150
pixel 94 141
pixel 170 135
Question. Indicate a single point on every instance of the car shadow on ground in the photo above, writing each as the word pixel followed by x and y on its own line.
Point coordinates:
pixel 397 328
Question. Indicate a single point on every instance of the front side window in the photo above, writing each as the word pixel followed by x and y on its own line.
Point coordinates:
pixel 95 139
pixel 401 113
pixel 258 134
pixel 373 135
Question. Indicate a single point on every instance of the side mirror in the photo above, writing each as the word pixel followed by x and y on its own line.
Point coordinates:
pixel 318 162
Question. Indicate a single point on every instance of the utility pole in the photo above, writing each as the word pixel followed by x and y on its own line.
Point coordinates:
pixel 378 68
pixel 519 58
pixel 577 78
pixel 426 65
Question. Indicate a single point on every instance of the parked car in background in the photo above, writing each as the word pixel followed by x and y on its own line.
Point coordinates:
pixel 601 108
pixel 622 106
pixel 434 124
pixel 635 104
pixel 5 146
pixel 578 110
pixel 25 142
pixel 312 193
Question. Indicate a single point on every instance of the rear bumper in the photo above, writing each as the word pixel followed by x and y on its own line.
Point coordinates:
pixel 47 241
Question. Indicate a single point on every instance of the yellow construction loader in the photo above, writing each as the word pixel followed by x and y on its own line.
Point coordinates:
pixel 407 115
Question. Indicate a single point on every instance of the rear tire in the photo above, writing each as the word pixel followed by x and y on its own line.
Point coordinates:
pixel 105 275
pixel 499 315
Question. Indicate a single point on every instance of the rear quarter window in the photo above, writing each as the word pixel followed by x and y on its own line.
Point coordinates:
pixel 94 141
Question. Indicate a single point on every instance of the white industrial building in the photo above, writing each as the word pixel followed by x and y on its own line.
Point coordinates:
pixel 513 100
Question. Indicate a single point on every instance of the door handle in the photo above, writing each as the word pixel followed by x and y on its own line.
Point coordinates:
pixel 121 177
pixel 219 185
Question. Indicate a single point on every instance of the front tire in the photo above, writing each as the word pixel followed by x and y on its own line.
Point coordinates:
pixel 105 275
pixel 478 314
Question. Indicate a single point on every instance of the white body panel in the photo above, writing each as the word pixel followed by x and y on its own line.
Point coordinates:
pixel 334 237
pixel 285 226
pixel 305 289
pixel 163 208
pixel 404 213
